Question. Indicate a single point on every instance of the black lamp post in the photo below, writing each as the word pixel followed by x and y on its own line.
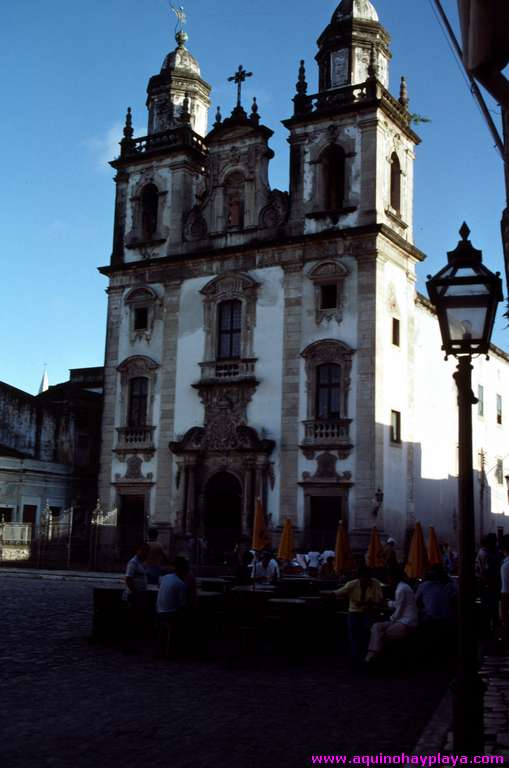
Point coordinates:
pixel 466 295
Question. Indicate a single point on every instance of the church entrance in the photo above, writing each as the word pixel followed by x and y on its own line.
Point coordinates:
pixel 131 525
pixel 326 513
pixel 223 516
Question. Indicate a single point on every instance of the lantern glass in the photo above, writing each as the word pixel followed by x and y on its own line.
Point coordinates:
pixel 466 323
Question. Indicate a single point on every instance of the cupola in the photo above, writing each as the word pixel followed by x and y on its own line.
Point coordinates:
pixel 353 46
pixel 180 77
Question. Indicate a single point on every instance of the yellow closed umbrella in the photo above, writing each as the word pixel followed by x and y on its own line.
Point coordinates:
pixel 417 561
pixel 285 551
pixel 375 558
pixel 434 554
pixel 261 538
pixel 344 558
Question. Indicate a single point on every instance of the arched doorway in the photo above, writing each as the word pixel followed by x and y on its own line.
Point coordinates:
pixel 223 516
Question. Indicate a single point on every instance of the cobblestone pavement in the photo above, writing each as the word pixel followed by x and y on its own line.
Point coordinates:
pixel 69 704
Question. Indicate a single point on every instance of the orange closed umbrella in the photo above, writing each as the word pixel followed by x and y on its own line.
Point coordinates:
pixel 344 558
pixel 375 558
pixel 434 554
pixel 417 561
pixel 285 551
pixel 260 534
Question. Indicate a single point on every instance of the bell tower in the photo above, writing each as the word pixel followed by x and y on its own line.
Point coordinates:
pixel 352 144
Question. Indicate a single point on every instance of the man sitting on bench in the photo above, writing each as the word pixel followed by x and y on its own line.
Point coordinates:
pixel 403 620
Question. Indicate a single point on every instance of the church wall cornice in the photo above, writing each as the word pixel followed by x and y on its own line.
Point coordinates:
pixel 277 252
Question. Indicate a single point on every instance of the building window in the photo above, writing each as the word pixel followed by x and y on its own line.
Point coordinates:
pixel 149 211
pixel 140 318
pixel 395 331
pixel 480 398
pixel 328 391
pixel 234 198
pixel 499 409
pixel 138 400
pixel 229 330
pixel 395 183
pixel 329 296
pixel 395 427
pixel 334 177
pixel 499 471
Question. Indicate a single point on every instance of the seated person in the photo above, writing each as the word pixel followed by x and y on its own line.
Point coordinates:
pixel 266 570
pixel 173 596
pixel 437 598
pixel 313 558
pixel 328 568
pixel 364 594
pixel 403 620
pixel 243 576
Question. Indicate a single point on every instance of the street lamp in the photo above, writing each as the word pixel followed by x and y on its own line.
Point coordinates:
pixel 466 295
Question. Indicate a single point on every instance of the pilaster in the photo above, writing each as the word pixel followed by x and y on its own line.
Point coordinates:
pixel 292 286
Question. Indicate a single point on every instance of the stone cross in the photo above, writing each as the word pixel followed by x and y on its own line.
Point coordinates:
pixel 239 77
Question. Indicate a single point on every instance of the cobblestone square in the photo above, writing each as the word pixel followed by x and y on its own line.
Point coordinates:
pixel 67 703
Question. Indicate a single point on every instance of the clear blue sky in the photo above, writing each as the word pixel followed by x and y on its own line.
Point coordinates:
pixel 70 69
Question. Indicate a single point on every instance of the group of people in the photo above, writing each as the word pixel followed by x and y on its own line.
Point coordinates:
pixel 492 571
pixel 433 606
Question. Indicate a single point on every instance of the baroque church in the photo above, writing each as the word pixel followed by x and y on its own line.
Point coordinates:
pixel 267 344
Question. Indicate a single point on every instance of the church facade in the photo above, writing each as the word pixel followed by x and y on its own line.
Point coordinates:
pixel 264 344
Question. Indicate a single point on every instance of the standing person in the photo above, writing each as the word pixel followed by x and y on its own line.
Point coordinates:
pixel 155 558
pixel 173 594
pixel 403 620
pixel 487 566
pixel 136 595
pixel 389 553
pixel 364 594
pixel 243 572
pixel 504 577
pixel 449 559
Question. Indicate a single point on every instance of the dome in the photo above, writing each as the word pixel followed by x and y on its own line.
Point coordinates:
pixel 181 59
pixel 356 9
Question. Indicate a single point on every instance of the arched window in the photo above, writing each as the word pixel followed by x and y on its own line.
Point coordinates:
pixel 395 183
pixel 149 210
pixel 138 398
pixel 328 391
pixel 333 163
pixel 234 199
pixel 229 330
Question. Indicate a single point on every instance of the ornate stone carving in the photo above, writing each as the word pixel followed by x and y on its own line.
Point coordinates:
pixel 326 471
pixel 329 273
pixel 276 212
pixel 195 226
pixel 133 471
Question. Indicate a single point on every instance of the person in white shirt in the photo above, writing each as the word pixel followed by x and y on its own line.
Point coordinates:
pixel 266 570
pixel 325 556
pixel 403 620
pixel 173 592
pixel 313 562
pixel 504 576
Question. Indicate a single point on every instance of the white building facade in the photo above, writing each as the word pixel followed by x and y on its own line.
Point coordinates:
pixel 268 344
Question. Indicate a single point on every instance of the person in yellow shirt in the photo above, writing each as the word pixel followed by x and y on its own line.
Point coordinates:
pixel 364 596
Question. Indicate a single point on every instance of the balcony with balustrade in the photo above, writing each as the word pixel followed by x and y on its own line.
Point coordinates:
pixel 135 440
pixel 328 434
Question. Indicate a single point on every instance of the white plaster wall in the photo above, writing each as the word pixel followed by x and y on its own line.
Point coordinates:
pixel 189 410
pixel 264 411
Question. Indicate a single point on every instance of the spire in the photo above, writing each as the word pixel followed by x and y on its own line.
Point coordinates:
pixel 238 78
pixel 44 382
pixel 254 116
pixel 127 143
pixel 181 35
pixel 403 94
pixel 301 99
